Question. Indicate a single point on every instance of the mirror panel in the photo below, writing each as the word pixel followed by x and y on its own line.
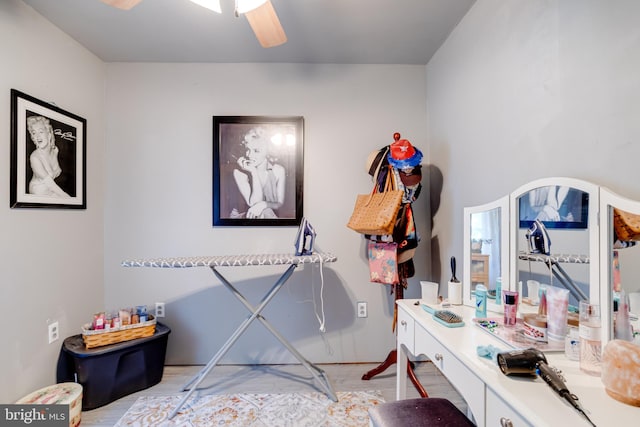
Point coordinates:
pixel 568 208
pixel 486 240
pixel 620 263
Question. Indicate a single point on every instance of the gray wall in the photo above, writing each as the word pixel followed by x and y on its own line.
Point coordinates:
pixel 158 201
pixel 529 89
pixel 52 260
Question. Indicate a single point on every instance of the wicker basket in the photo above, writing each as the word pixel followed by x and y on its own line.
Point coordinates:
pixel 93 338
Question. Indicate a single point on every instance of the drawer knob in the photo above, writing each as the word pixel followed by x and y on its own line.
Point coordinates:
pixel 438 357
pixel 403 322
pixel 505 422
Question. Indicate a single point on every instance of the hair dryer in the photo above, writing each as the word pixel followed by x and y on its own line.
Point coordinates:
pixel 532 362
pixel 521 362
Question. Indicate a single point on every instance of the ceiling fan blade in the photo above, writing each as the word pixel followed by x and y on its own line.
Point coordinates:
pixel 265 24
pixel 122 4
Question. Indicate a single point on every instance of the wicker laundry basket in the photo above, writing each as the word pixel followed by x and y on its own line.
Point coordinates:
pixel 97 338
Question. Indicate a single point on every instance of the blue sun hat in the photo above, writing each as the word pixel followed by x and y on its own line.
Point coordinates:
pixel 403 155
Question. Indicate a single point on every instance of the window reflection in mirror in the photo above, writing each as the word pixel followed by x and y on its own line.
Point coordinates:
pixel 485 249
pixel 485 237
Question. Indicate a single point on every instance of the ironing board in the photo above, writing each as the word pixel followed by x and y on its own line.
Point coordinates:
pixel 214 262
pixel 553 261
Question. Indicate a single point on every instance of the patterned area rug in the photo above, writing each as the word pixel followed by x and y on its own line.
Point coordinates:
pixel 256 410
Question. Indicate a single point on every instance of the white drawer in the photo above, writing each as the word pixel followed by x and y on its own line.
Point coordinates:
pixel 406 327
pixel 460 376
pixel 499 414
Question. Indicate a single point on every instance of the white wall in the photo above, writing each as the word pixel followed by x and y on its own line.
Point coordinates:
pixel 159 189
pixel 528 89
pixel 52 260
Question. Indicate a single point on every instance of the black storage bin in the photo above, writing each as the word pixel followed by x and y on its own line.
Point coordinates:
pixel 110 372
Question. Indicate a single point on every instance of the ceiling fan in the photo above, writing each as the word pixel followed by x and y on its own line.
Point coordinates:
pixel 261 15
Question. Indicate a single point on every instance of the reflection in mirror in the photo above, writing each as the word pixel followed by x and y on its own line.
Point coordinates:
pixel 620 266
pixel 561 254
pixel 486 240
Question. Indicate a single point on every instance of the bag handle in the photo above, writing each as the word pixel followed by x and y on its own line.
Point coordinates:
pixel 379 163
pixel 389 184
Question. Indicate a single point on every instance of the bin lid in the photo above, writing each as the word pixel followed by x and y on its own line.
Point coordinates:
pixel 75 345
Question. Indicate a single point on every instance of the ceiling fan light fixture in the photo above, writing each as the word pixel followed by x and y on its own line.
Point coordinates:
pixel 244 6
pixel 122 4
pixel 210 4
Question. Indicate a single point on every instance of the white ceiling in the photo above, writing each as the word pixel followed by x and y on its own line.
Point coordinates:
pixel 319 31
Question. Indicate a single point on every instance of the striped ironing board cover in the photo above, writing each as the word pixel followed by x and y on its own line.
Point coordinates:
pixel 564 258
pixel 231 260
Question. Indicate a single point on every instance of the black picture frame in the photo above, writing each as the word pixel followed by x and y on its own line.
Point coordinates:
pixel 573 211
pixel 54 175
pixel 281 139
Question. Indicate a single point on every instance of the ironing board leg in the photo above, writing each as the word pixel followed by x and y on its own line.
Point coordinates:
pixel 566 281
pixel 234 337
pixel 315 371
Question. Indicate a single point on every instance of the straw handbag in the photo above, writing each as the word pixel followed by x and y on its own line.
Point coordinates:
pixel 626 225
pixel 376 213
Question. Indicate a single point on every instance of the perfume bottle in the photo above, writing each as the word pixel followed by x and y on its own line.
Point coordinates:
pixel 510 307
pixel 590 331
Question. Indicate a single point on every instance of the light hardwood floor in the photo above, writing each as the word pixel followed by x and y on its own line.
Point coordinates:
pixel 227 379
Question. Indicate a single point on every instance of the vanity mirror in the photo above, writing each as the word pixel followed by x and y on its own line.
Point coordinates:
pixel 486 239
pixel 496 244
pixel 568 209
pixel 620 260
pixel 586 255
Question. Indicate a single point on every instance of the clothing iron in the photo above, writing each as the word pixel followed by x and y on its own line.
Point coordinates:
pixel 538 238
pixel 304 238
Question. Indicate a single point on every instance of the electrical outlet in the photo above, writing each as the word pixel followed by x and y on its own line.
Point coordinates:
pixel 54 332
pixel 362 309
pixel 160 309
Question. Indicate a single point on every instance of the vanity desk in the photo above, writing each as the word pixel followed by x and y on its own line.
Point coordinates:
pixel 493 398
